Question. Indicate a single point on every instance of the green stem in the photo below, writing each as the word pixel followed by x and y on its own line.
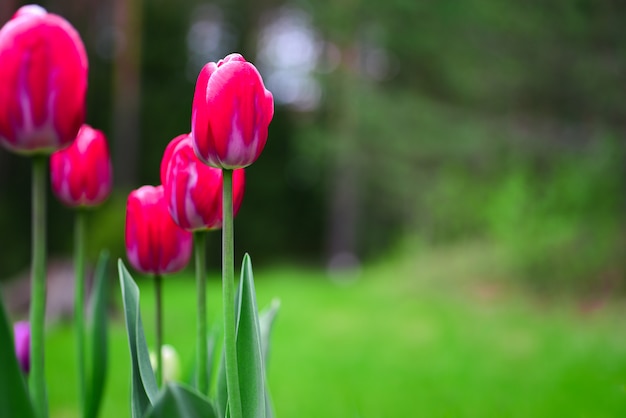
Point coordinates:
pixel 228 288
pixel 79 303
pixel 202 378
pixel 38 286
pixel 158 283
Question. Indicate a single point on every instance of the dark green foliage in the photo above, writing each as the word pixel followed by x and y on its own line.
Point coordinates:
pixel 178 401
pixel 484 101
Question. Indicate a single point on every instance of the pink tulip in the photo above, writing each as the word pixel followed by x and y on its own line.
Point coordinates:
pixel 43 81
pixel 154 243
pixel 231 113
pixel 21 331
pixel 81 173
pixel 193 190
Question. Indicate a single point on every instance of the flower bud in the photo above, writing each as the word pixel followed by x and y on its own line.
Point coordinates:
pixel 171 363
pixel 21 331
pixel 43 81
pixel 193 190
pixel 81 173
pixel 154 243
pixel 231 113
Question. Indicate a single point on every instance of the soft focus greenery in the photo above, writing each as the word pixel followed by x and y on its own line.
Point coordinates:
pixel 446 120
pixel 432 333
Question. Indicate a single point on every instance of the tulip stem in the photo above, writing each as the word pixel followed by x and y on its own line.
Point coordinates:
pixel 202 378
pixel 38 286
pixel 228 288
pixel 158 284
pixel 79 302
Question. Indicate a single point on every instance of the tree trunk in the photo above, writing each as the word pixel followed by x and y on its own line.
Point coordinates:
pixel 126 91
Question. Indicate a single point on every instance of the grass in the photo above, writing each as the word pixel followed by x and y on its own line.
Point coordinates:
pixel 440 334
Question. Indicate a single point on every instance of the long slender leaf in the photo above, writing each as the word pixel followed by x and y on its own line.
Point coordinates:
pixel 143 382
pixel 177 401
pixel 249 348
pixel 221 398
pixel 190 374
pixel 266 321
pixel 211 351
pixel 98 336
pixel 14 398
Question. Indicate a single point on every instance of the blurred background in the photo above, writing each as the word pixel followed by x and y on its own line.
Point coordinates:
pixel 469 147
pixel 443 121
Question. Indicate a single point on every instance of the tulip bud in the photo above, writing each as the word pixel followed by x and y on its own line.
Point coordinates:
pixel 171 363
pixel 43 81
pixel 21 331
pixel 154 243
pixel 231 113
pixel 81 173
pixel 193 190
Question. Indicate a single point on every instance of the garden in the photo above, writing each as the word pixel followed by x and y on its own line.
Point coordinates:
pixel 436 227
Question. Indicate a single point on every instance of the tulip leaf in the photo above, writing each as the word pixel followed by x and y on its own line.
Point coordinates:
pixel 180 402
pixel 221 398
pixel 14 398
pixel 211 350
pixel 191 376
pixel 143 382
pixel 98 336
pixel 249 347
pixel 266 321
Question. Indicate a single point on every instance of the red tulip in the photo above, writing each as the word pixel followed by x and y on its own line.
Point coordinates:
pixel 154 243
pixel 231 113
pixel 193 190
pixel 81 173
pixel 43 81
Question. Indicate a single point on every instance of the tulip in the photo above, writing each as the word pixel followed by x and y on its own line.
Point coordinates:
pixel 81 173
pixel 154 243
pixel 193 190
pixel 21 331
pixel 43 81
pixel 171 363
pixel 231 113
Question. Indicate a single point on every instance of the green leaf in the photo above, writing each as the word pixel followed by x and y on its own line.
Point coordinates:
pixel 143 383
pixel 98 336
pixel 249 348
pixel 266 321
pixel 180 402
pixel 14 398
pixel 191 378
pixel 212 350
pixel 221 398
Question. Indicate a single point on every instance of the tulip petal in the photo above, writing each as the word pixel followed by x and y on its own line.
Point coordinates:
pixel 231 113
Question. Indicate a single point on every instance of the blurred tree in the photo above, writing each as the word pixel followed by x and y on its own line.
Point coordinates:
pixel 418 112
pixel 128 24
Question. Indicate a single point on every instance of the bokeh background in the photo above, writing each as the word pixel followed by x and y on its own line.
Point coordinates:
pixel 440 204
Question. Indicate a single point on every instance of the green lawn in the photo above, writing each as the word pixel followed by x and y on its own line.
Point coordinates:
pixel 442 334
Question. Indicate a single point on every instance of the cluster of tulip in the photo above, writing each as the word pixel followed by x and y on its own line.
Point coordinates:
pixel 43 82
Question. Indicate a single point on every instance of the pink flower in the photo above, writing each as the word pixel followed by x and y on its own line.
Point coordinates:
pixel 21 331
pixel 193 190
pixel 231 113
pixel 154 243
pixel 43 81
pixel 81 173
